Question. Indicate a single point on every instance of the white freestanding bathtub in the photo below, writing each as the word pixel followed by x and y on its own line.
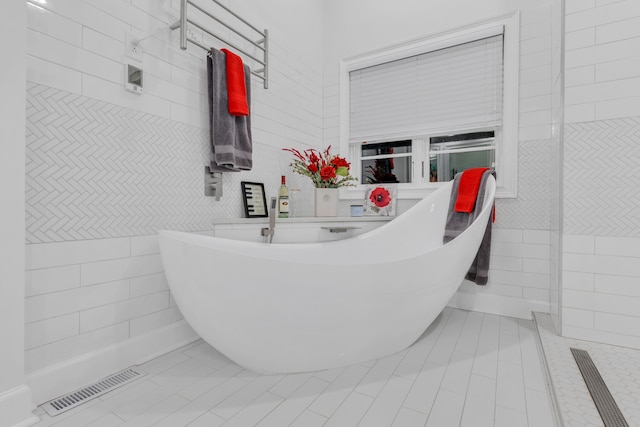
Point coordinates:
pixel 280 308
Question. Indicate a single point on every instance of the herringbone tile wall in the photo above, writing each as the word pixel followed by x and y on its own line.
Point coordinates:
pixel 530 211
pixel 602 178
pixel 98 170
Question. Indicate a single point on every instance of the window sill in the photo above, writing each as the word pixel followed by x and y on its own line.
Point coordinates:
pixel 413 192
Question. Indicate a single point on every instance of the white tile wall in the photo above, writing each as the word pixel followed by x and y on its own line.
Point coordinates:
pixel 602 60
pixel 65 350
pixel 52 279
pixel 51 329
pixel 580 76
pixel 600 295
pixel 580 38
pixel 100 317
pixel 618 285
pixel 44 306
pixel 94 274
pixel 116 269
pixel 579 281
pixel 519 268
pixel 149 284
pixel 87 294
pixel 85 56
pixel 535 73
pixel 77 252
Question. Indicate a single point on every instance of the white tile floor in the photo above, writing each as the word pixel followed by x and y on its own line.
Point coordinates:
pixel 468 369
pixel 618 366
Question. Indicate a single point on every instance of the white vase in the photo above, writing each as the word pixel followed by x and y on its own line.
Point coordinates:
pixel 326 202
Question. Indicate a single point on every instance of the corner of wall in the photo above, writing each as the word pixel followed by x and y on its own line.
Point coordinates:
pixel 16 407
pixel 56 380
pixel 15 396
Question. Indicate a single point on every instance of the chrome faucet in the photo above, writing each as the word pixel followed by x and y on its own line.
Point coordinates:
pixel 267 233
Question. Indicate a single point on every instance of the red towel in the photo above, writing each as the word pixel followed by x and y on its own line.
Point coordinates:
pixel 468 189
pixel 236 88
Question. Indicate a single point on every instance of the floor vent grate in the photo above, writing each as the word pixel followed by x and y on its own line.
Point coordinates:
pixel 606 405
pixel 78 397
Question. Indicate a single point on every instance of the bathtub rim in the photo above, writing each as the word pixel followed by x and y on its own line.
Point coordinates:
pixel 277 250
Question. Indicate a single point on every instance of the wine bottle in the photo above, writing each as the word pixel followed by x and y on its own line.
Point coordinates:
pixel 283 200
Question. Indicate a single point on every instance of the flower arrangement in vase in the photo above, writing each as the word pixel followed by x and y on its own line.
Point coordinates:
pixel 325 170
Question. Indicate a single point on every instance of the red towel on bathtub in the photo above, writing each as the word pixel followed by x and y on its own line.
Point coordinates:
pixel 468 189
pixel 236 88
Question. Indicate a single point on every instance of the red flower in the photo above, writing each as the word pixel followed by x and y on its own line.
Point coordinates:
pixel 340 162
pixel 380 197
pixel 313 168
pixel 313 158
pixel 327 172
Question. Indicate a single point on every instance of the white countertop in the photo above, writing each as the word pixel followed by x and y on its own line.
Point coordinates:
pixel 301 220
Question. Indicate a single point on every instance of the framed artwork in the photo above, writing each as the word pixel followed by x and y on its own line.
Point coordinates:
pixel 380 200
pixel 255 200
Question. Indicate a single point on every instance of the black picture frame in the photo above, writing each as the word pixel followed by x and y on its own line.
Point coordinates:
pixel 254 199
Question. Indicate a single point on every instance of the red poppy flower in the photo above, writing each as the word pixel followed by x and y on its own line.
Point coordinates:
pixel 327 172
pixel 380 197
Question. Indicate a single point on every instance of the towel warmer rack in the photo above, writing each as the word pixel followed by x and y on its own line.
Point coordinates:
pixel 262 44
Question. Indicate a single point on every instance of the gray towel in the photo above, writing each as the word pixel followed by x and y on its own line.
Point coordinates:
pixel 231 144
pixel 457 222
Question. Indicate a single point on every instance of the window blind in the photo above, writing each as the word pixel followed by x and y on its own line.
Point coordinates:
pixel 449 89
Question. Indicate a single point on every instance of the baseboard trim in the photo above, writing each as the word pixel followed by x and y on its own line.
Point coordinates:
pixel 16 406
pixel 32 420
pixel 498 304
pixel 70 375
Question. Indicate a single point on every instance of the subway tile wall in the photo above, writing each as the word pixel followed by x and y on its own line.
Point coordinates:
pixel 86 294
pixel 602 60
pixel 519 268
pixel 601 295
pixel 107 168
pixel 601 251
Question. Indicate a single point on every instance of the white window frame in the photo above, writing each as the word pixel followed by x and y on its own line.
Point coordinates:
pixel 506 152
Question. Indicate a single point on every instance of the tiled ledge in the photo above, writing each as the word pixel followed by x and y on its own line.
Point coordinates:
pixel 304 220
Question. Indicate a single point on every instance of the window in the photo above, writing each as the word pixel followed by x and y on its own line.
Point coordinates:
pixel 449 155
pixel 415 114
pixel 386 162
